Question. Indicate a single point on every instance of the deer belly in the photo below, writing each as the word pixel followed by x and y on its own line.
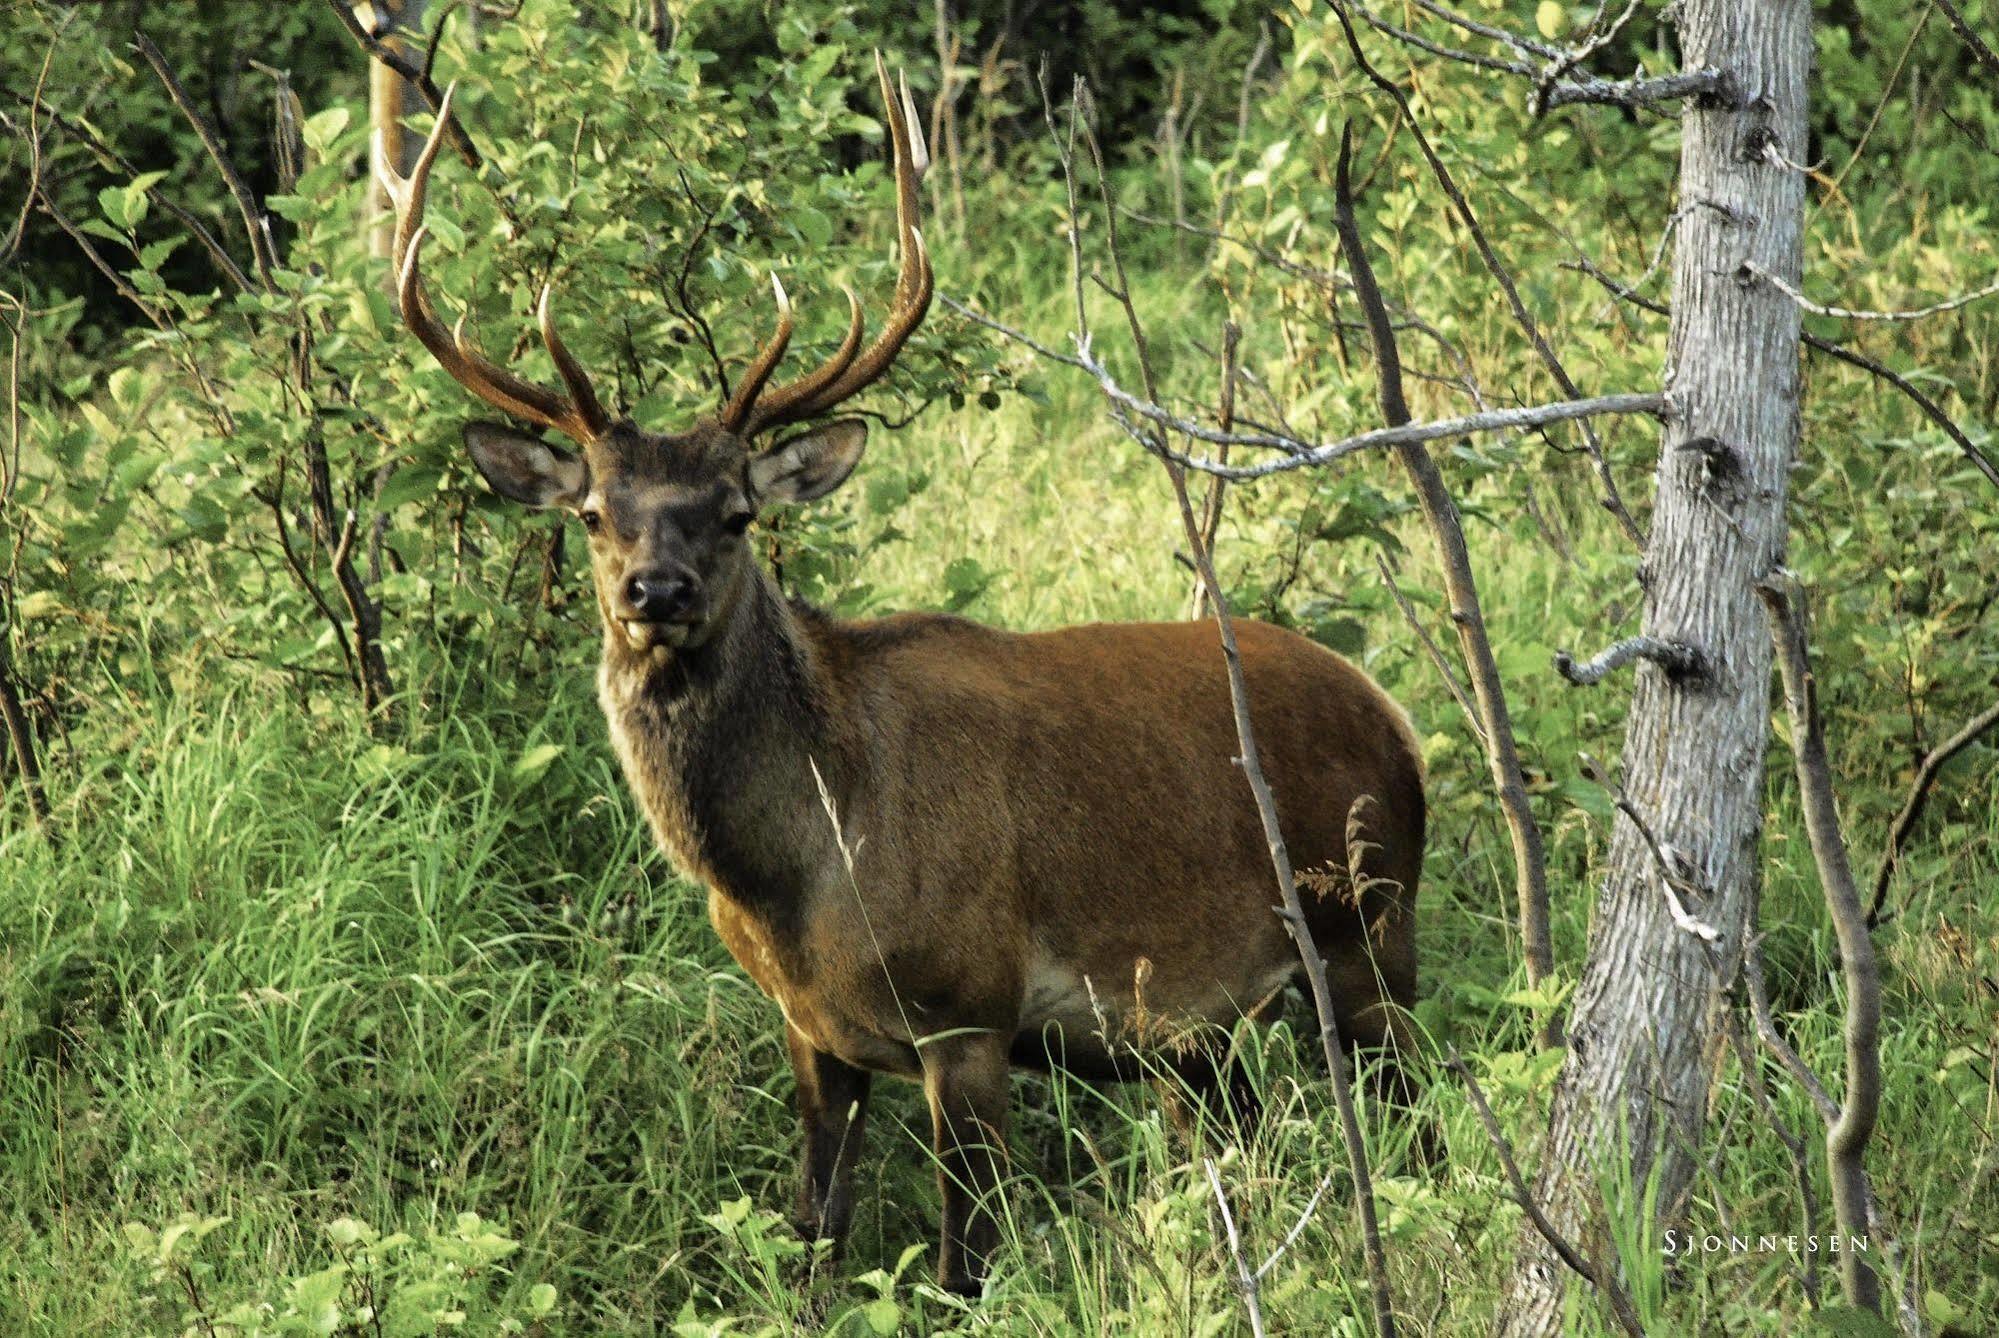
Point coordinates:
pixel 1119 1007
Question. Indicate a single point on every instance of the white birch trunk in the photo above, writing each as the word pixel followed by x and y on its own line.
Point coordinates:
pixel 1643 1032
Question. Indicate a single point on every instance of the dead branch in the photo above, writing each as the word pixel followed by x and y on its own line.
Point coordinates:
pixel 254 222
pixel 1847 1136
pixel 1250 758
pixel 1752 272
pixel 1980 51
pixel 1211 507
pixel 1919 795
pixel 418 76
pixel 1612 500
pixel 1461 588
pixel 1645 91
pixel 1929 408
pixel 1431 647
pixel 1599 1277
pixel 1680 661
pixel 1248 1284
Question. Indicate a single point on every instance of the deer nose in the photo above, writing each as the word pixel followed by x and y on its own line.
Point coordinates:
pixel 663 598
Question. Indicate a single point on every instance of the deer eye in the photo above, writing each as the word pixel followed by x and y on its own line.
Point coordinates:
pixel 593 521
pixel 737 521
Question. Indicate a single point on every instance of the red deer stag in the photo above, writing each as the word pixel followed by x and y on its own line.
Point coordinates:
pixel 1043 849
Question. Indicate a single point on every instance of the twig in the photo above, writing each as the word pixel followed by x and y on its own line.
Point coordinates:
pixel 1612 500
pixel 1754 271
pixel 1430 645
pixel 1794 1145
pixel 1247 1283
pixel 1250 758
pixel 1977 45
pixel 1588 1270
pixel 1304 456
pixel 34 137
pixel 1919 794
pixel 1674 875
pixel 1773 1040
pixel 1297 1228
pixel 1461 588
pixel 1211 507
pixel 246 203
pixel 1929 408
pixel 1680 661
pixel 1847 1136
pixel 418 76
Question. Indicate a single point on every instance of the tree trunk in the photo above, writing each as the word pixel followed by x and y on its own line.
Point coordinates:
pixel 1633 1089
pixel 390 96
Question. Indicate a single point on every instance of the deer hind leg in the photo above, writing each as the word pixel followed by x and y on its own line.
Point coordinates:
pixel 1209 1088
pixel 833 1108
pixel 1373 988
pixel 965 1079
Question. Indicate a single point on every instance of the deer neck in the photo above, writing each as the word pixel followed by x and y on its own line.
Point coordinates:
pixel 719 744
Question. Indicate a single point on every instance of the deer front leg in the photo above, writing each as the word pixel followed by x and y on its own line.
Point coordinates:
pixel 833 1108
pixel 965 1078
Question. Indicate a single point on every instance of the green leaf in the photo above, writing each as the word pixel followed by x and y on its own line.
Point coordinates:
pixel 964 581
pixel 409 484
pixel 541 1299
pixel 1843 1321
pixel 116 206
pixel 536 760
pixel 883 1315
pixel 38 604
pixel 322 128
pixel 1551 19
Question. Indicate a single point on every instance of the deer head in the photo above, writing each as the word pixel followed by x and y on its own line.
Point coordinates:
pixel 667 512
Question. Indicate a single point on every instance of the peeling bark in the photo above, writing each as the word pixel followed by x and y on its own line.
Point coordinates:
pixel 1646 1018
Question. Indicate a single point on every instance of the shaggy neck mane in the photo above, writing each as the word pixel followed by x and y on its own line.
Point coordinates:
pixel 719 745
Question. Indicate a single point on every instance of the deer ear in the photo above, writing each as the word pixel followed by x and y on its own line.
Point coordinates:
pixel 810 465
pixel 526 469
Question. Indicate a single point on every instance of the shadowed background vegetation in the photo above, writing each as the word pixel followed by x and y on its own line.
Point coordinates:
pixel 305 1007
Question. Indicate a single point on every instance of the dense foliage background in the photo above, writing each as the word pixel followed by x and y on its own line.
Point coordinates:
pixel 303 1005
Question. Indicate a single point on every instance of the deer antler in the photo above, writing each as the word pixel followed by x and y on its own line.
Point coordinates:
pixel 849 371
pixel 579 414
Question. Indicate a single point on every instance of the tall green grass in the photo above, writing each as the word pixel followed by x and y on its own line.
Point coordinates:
pixel 279 970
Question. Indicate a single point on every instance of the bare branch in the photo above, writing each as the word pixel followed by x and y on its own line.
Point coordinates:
pixel 1846 1137
pixel 1919 794
pixel 1302 455
pixel 418 76
pixel 1753 272
pixel 1680 661
pixel 1773 1040
pixel 34 137
pixel 1930 408
pixel 1250 757
pixel 1980 51
pixel 1435 651
pixel 1644 91
pixel 246 204
pixel 1612 500
pixel 1587 1269
pixel 1556 85
pixel 1440 513
pixel 1248 1283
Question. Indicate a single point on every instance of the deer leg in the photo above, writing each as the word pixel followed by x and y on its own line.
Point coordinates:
pixel 1210 1081
pixel 965 1078
pixel 833 1108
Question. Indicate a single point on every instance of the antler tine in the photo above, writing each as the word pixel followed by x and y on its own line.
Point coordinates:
pixel 775 407
pixel 766 362
pixel 582 395
pixel 845 373
pixel 581 417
